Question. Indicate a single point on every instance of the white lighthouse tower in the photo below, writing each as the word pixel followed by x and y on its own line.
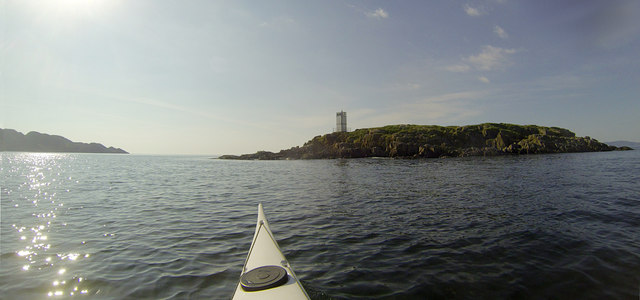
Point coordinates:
pixel 341 121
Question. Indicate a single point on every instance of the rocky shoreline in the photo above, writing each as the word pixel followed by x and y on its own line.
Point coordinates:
pixel 432 141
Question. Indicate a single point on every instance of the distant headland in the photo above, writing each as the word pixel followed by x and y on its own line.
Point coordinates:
pixel 12 140
pixel 432 141
pixel 629 144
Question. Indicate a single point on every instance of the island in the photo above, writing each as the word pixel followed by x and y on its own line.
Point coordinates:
pixel 12 140
pixel 432 141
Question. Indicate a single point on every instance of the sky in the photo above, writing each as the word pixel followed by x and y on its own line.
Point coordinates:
pixel 233 77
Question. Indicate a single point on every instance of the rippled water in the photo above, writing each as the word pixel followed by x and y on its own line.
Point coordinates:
pixel 129 226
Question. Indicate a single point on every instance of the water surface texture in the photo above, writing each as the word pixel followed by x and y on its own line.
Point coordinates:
pixel 162 227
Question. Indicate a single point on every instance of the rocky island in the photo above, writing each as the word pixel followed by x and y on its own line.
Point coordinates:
pixel 431 141
pixel 12 140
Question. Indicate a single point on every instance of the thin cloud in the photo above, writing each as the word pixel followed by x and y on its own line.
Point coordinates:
pixel 491 58
pixel 278 22
pixel 459 68
pixel 181 109
pixel 472 11
pixel 378 14
pixel 455 96
pixel 435 109
pixel 445 107
pixel 484 79
pixel 407 86
pixel 500 32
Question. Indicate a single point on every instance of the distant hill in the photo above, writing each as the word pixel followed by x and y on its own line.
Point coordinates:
pixel 633 145
pixel 12 140
pixel 427 141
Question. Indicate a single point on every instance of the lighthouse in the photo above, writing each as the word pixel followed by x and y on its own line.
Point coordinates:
pixel 341 121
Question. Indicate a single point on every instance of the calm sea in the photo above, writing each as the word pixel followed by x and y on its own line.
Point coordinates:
pixel 93 226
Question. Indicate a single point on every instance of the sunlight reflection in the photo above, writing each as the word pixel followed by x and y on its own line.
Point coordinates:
pixel 37 195
pixel 56 293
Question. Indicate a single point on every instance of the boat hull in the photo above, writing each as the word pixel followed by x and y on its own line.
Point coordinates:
pixel 264 251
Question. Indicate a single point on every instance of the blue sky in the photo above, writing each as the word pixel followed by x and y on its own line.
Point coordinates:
pixel 230 77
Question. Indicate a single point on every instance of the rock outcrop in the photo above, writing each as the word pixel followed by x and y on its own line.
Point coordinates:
pixel 11 140
pixel 430 141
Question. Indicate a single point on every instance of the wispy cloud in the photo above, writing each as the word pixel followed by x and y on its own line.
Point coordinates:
pixel 455 96
pixel 278 22
pixel 491 58
pixel 183 109
pixel 484 79
pixel 378 14
pixel 405 86
pixel 447 108
pixel 459 68
pixel 472 11
pixel 500 32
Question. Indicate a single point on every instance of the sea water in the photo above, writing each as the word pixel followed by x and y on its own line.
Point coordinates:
pixel 173 227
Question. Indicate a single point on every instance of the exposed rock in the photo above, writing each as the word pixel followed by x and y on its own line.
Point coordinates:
pixel 430 141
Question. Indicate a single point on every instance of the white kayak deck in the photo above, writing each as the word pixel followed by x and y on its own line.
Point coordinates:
pixel 265 251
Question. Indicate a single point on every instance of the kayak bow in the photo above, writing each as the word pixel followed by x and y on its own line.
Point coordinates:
pixel 266 273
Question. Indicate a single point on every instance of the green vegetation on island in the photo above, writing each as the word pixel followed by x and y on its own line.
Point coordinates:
pixel 431 141
pixel 11 140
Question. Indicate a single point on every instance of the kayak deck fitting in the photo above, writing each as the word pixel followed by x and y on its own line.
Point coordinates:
pixel 266 273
